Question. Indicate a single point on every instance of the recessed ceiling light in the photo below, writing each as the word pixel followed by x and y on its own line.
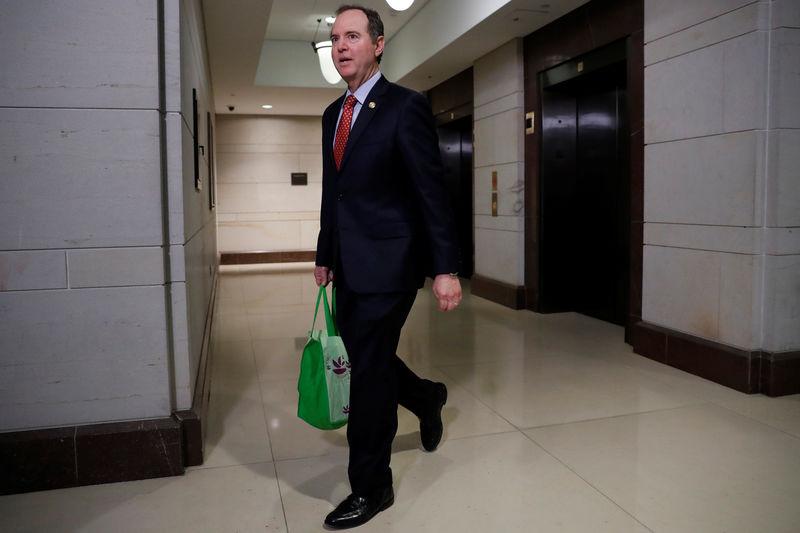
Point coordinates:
pixel 266 106
pixel 330 20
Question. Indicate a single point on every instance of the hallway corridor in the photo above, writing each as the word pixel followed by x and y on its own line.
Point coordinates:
pixel 552 425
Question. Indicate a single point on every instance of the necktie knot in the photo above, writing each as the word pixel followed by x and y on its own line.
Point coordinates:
pixel 343 131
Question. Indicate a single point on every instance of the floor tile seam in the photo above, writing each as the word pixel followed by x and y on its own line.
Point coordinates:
pixel 482 363
pixel 280 494
pixel 264 410
pixel 752 418
pixel 269 442
pixel 343 455
pixel 471 393
pixel 480 435
pixel 664 381
pixel 621 415
pixel 201 468
pixel 589 483
pixel 278 311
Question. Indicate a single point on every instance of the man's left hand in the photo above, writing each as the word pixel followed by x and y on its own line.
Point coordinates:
pixel 447 290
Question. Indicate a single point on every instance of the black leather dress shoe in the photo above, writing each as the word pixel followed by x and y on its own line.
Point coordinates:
pixel 357 510
pixel 430 425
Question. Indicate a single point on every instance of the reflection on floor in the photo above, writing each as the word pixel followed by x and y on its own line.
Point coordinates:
pixel 552 424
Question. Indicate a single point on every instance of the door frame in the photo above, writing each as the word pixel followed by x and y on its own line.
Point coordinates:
pixel 591 26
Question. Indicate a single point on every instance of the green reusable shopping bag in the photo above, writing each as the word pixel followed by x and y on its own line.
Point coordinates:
pixel 324 383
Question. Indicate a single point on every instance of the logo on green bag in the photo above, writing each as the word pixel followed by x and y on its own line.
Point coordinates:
pixel 340 365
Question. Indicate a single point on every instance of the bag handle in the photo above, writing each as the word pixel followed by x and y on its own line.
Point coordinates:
pixel 329 323
pixel 333 311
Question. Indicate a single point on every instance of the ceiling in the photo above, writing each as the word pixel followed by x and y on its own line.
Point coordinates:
pixel 260 52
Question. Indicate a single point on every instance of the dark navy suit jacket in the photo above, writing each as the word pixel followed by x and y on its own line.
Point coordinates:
pixel 386 219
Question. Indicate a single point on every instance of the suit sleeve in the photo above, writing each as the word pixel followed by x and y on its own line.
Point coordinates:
pixel 419 147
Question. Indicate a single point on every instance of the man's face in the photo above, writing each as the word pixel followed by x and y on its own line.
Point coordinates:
pixel 354 54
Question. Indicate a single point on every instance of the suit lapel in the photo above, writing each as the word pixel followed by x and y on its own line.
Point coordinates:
pixel 365 115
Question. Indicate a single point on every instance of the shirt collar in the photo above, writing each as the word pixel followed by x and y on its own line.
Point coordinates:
pixel 362 92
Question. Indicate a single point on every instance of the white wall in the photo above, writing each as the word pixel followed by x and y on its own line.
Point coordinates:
pixel 259 209
pixel 499 146
pixel 722 198
pixel 83 309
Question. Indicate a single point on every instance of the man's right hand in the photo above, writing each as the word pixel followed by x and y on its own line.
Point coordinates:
pixel 323 275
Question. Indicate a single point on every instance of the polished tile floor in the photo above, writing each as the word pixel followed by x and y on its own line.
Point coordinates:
pixel 552 425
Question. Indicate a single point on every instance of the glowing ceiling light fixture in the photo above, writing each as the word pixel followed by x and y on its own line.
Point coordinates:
pixel 399 5
pixel 323 50
pixel 266 106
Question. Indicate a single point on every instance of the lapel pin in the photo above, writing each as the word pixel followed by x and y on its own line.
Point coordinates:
pixel 372 105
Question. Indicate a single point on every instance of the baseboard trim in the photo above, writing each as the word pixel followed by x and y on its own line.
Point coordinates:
pixel 512 296
pixel 88 455
pixel 748 371
pixel 74 456
pixel 252 258
pixel 780 373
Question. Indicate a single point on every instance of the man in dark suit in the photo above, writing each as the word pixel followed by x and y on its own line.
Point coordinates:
pixel 385 224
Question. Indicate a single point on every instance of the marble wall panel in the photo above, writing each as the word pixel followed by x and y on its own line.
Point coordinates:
pixel 783 183
pixel 82 53
pixel 680 290
pixel 115 267
pixel 82 356
pixel 740 297
pixel 273 235
pixel 178 150
pixel 709 91
pixel 713 295
pixel 785 78
pixel 663 17
pixel 497 255
pixel 686 181
pixel 735 239
pixel 256 158
pixel 183 350
pixel 309 231
pixel 500 223
pixel 501 73
pixel 252 167
pixel 235 198
pixel 61 394
pixel 79 178
pixel 782 303
pixel 733 24
pixel 200 264
pixel 33 270
pixel 172 56
pixel 499 138
pixel 280 131
pixel 514 100
pixel 785 13
pixel 283 198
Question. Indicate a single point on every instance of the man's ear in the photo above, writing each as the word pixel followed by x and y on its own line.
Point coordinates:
pixel 379 42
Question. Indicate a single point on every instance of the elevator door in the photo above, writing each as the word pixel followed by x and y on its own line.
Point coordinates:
pixel 455 145
pixel 585 195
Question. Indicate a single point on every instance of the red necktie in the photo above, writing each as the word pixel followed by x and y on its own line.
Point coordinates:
pixel 343 130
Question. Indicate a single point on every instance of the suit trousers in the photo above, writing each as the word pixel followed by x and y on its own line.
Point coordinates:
pixel 370 326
